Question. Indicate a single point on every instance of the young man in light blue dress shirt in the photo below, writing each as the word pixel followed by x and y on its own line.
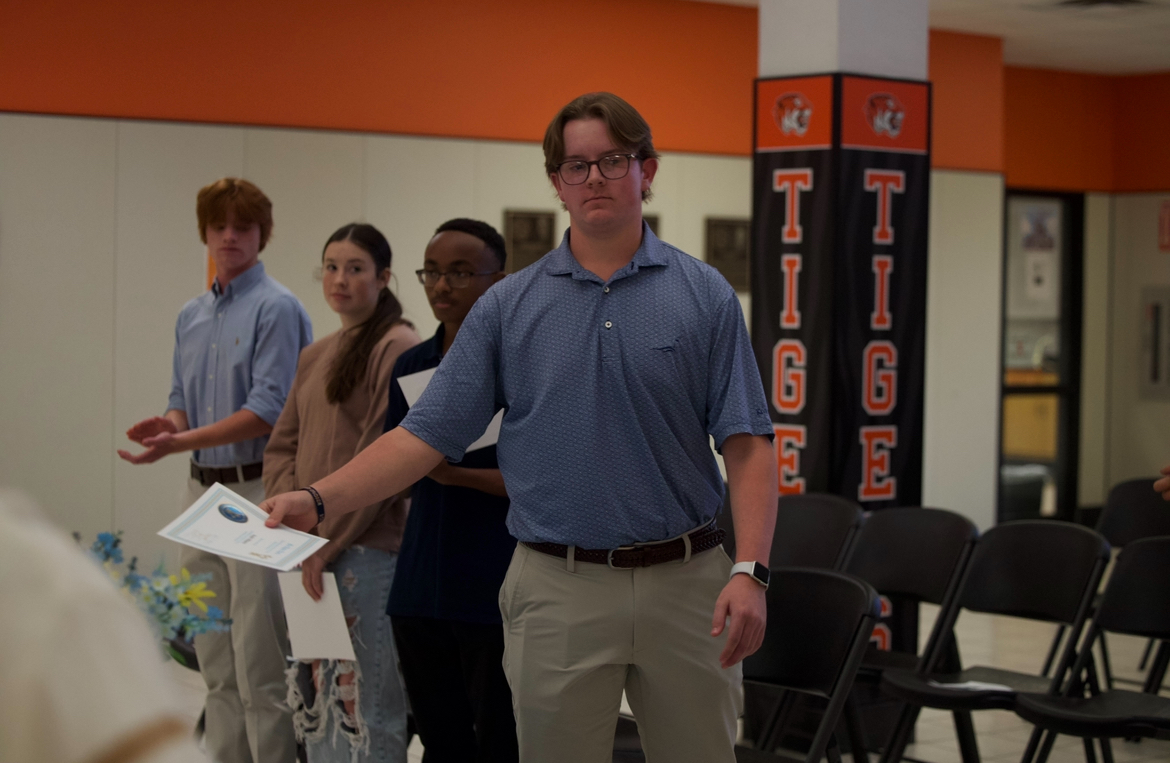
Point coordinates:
pixel 236 350
pixel 616 359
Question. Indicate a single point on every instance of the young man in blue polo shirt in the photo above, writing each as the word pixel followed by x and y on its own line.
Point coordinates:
pixel 616 358
pixel 444 601
pixel 236 350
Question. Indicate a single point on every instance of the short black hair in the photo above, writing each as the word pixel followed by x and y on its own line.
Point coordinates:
pixel 481 230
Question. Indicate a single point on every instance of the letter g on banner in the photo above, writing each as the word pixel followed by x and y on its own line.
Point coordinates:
pixel 788 376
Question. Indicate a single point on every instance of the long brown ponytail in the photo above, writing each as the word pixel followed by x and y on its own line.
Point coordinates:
pixel 350 367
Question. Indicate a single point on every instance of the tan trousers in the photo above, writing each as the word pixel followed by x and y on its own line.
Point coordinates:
pixel 575 638
pixel 248 719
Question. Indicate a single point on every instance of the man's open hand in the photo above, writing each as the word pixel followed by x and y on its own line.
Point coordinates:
pixel 151 427
pixel 296 509
pixel 311 576
pixel 743 601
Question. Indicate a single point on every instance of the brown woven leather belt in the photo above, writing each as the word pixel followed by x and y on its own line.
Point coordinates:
pixel 209 475
pixel 641 555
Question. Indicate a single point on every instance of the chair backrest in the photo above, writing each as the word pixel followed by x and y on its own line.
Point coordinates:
pixel 816 618
pixel 814 530
pixel 820 625
pixel 913 552
pixel 1137 596
pixel 1038 569
pixel 1134 511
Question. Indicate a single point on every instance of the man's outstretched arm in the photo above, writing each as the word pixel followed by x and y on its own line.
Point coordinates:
pixel 392 463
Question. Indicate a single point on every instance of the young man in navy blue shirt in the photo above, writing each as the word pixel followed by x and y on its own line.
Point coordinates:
pixel 456 549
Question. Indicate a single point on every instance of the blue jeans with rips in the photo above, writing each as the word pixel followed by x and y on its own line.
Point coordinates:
pixel 355 712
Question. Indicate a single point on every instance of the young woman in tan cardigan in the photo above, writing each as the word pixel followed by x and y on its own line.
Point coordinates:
pixel 347 711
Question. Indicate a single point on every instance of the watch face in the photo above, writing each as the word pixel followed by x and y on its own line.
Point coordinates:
pixel 760 573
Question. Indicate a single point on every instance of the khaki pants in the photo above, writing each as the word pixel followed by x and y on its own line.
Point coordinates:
pixel 248 719
pixel 575 638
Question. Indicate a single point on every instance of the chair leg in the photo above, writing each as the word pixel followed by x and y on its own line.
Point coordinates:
pixel 1158 669
pixel 1033 745
pixel 1106 750
pixel 832 751
pixel 772 734
pixel 965 731
pixel 1090 751
pixel 856 735
pixel 900 737
pixel 1106 668
pixel 1052 650
pixel 1046 747
pixel 1146 654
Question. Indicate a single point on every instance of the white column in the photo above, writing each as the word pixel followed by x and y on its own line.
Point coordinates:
pixel 886 38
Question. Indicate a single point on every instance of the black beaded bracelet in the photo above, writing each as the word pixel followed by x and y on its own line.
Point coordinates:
pixel 317 500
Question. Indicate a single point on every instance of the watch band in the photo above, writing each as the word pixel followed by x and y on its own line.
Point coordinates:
pixel 754 570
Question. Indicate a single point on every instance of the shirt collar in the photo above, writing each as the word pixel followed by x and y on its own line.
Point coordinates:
pixel 650 253
pixel 240 283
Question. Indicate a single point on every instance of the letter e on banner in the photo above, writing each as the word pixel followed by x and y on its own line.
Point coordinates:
pixel 788 374
pixel 791 183
pixel 789 443
pixel 886 183
pixel 880 393
pixel 876 482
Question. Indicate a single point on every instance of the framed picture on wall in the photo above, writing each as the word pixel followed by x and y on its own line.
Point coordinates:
pixel 727 249
pixel 529 236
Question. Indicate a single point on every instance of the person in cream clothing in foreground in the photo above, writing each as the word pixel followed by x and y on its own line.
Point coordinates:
pixel 616 358
pixel 81 675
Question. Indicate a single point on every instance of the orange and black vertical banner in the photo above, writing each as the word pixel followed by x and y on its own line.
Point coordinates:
pixel 840 205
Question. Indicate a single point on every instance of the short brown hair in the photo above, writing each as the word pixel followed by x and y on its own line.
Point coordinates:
pixel 626 128
pixel 247 202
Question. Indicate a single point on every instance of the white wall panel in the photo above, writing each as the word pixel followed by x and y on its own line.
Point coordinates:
pixel 960 439
pixel 160 265
pixel 1092 485
pixel 412 186
pixel 1139 439
pixel 57 315
pixel 314 179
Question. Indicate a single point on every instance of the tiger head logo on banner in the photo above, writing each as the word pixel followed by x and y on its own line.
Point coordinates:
pixel 792 113
pixel 885 114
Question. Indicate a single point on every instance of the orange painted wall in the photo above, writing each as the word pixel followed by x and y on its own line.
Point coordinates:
pixel 1142 131
pixel 1058 130
pixel 458 68
pixel 967 72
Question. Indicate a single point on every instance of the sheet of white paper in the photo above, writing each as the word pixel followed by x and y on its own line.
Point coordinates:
pixel 316 629
pixel 225 523
pixel 971 686
pixel 412 389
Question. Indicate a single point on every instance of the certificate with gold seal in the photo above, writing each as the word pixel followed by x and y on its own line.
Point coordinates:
pixel 226 524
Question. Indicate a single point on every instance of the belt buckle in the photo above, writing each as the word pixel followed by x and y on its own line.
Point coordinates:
pixel 609 557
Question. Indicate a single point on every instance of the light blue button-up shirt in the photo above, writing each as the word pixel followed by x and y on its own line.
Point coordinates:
pixel 611 389
pixel 237 349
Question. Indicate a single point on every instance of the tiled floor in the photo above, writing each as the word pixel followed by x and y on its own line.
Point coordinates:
pixel 1003 642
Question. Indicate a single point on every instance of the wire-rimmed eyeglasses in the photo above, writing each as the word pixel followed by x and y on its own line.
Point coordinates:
pixel 611 167
pixel 456 279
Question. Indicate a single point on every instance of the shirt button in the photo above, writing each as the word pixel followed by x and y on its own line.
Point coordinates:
pixel 209 409
pixel 211 376
pixel 606 290
pixel 609 324
pixel 213 346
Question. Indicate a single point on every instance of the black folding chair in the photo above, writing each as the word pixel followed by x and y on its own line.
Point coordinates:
pixel 917 555
pixel 819 626
pixel 812 530
pixel 1132 511
pixel 1136 602
pixel 1035 569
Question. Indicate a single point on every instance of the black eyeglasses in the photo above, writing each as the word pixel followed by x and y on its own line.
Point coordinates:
pixel 456 279
pixel 613 167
